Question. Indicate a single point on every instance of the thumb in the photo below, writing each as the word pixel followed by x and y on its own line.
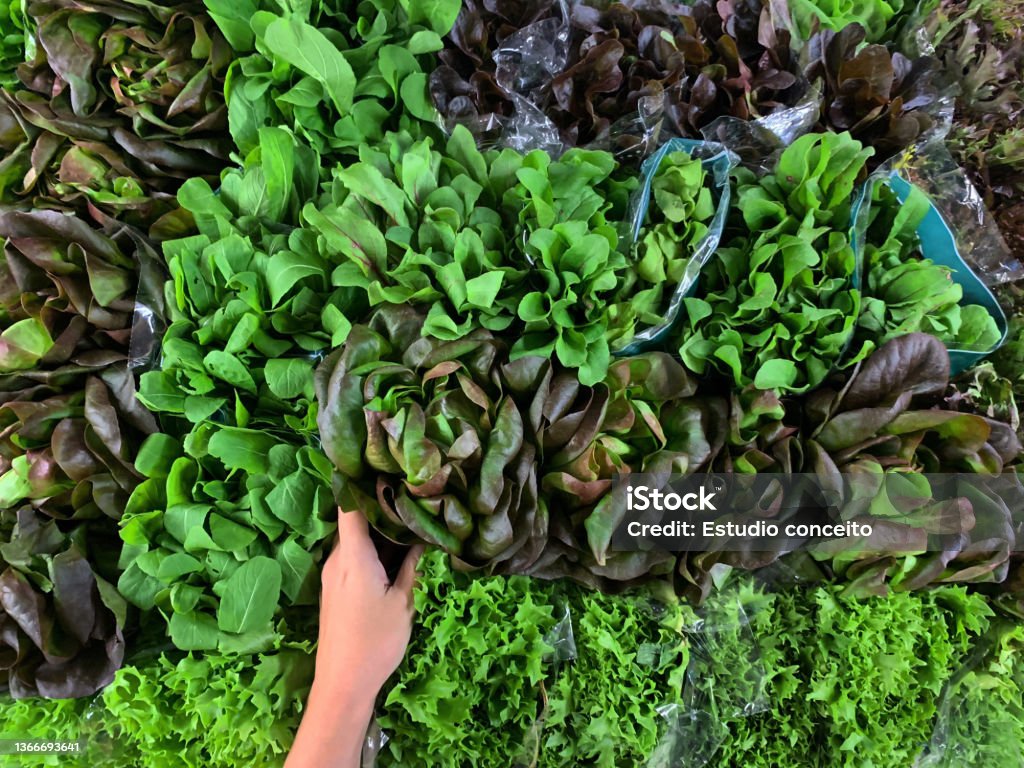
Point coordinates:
pixel 406 579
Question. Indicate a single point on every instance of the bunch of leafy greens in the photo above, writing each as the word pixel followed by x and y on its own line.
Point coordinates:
pixel 225 527
pixel 337 74
pixel 563 676
pixel 67 296
pixel 69 426
pixel 778 305
pixel 505 464
pixel 851 682
pixel 518 244
pixel 12 40
pixel 241 505
pixel 888 422
pixel 981 46
pixel 598 74
pixel 677 221
pixel 65 475
pixel 877 17
pixel 981 716
pixel 213 711
pixel 905 292
pixel 884 99
pixel 118 105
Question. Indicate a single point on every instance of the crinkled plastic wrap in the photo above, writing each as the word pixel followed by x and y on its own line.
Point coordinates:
pixel 981 714
pixel 148 324
pixel 758 143
pixel 718 163
pixel 725 680
pixel 526 63
pixel 930 167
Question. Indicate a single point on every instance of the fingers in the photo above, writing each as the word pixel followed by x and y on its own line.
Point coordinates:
pixel 354 532
pixel 406 580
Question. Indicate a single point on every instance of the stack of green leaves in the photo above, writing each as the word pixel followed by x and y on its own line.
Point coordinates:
pixel 338 75
pixel 562 676
pixel 116 108
pixel 875 16
pixel 212 711
pixel 981 717
pixel 524 245
pixel 518 244
pixel 677 221
pixel 505 464
pixel 242 502
pixel 12 41
pixel 907 293
pixel 777 307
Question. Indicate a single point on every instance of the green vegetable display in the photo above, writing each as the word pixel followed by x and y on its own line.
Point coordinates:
pixel 778 306
pixel 262 258
pixel 116 108
pixel 339 76
pixel 981 718
pixel 553 671
pixel 208 712
pixel 854 682
pixel 513 243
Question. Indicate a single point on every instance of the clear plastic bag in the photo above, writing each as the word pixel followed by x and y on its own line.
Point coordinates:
pixel 980 722
pixel 957 233
pixel 718 163
pixel 725 680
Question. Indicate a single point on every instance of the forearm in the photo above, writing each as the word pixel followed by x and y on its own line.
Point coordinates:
pixel 333 728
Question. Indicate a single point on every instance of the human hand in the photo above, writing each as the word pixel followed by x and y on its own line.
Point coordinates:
pixel 365 620
pixel 365 625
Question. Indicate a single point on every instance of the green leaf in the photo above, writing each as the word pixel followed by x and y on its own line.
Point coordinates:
pixel 776 374
pixel 307 49
pixel 194 631
pixel 289 378
pixel 285 269
pixel 156 455
pixel 245 449
pixel 250 596
pixel 229 368
pixel 298 572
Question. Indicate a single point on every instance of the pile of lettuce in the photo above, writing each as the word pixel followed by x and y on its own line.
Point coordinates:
pixel 778 305
pixel 505 464
pixel 538 249
pixel 338 75
pixel 114 109
pixel 888 414
pixel 854 682
pixel 563 676
pixel 211 711
pixel 608 75
pixel 907 293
